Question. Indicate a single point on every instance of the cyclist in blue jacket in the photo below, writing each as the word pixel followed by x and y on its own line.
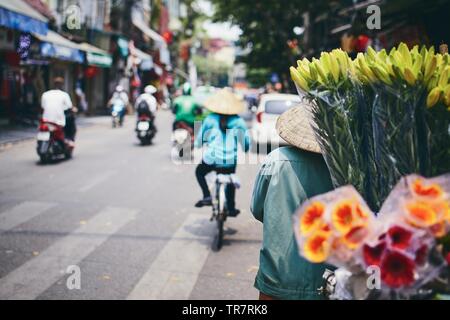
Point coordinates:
pixel 221 133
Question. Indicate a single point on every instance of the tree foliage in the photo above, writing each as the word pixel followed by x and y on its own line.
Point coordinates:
pixel 266 26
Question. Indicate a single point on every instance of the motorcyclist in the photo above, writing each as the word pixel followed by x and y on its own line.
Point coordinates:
pixel 146 103
pixel 119 94
pixel 186 109
pixel 58 108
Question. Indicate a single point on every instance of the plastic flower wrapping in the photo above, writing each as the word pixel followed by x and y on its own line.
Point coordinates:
pixel 380 116
pixel 400 253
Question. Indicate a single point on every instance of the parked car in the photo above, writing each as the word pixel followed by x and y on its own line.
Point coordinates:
pixel 270 107
pixel 200 94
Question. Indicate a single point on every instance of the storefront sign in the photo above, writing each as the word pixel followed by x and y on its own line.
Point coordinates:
pixel 100 60
pixel 24 45
pixel 60 52
pixel 14 20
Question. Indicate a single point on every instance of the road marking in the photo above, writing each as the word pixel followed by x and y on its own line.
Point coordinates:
pixel 22 213
pixel 175 270
pixel 35 276
pixel 97 180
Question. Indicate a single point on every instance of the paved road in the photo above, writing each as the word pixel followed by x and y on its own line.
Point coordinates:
pixel 123 214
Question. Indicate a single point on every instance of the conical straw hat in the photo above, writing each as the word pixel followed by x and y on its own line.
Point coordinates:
pixel 224 102
pixel 294 126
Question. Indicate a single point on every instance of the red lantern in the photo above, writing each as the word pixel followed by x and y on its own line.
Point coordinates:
pixel 168 37
pixel 91 72
pixel 362 42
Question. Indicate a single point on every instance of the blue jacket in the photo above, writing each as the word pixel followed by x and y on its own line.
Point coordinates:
pixel 222 147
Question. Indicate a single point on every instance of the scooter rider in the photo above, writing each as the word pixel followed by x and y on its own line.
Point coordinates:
pixel 186 109
pixel 119 93
pixel 58 108
pixel 146 103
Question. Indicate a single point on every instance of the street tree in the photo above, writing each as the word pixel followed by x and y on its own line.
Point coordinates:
pixel 267 29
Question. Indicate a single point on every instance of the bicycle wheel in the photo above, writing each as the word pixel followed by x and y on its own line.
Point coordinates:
pixel 220 217
pixel 219 240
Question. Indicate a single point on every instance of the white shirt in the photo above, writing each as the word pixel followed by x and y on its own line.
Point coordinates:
pixel 54 103
pixel 149 99
pixel 120 95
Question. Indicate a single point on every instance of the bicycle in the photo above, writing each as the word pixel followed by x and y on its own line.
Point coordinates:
pixel 219 207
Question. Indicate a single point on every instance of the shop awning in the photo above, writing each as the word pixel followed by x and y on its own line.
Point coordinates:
pixel 53 45
pixel 96 56
pixel 56 39
pixel 18 15
pixel 149 32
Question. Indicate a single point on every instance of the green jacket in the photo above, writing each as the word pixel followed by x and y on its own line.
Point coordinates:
pixel 287 178
pixel 184 108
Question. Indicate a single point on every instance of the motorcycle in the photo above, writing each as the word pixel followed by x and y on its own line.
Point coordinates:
pixel 118 113
pixel 182 140
pixel 51 143
pixel 145 129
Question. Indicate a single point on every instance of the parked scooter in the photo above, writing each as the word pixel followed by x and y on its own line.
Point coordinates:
pixel 118 113
pixel 51 143
pixel 145 128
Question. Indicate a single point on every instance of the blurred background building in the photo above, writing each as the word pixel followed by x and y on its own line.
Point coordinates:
pixel 277 33
pixel 94 45
pixel 98 44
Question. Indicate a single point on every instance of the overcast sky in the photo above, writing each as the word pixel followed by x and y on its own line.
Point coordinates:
pixel 218 30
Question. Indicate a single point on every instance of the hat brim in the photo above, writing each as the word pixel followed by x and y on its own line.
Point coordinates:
pixel 294 126
pixel 224 102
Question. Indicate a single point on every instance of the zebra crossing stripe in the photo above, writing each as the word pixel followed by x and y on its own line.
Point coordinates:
pixel 97 180
pixel 175 270
pixel 22 213
pixel 32 278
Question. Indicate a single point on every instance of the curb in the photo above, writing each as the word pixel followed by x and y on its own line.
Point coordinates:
pixel 7 144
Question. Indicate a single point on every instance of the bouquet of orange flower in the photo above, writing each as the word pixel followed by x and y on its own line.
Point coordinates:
pixel 403 252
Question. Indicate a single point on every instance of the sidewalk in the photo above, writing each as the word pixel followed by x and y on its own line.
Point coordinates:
pixel 12 134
